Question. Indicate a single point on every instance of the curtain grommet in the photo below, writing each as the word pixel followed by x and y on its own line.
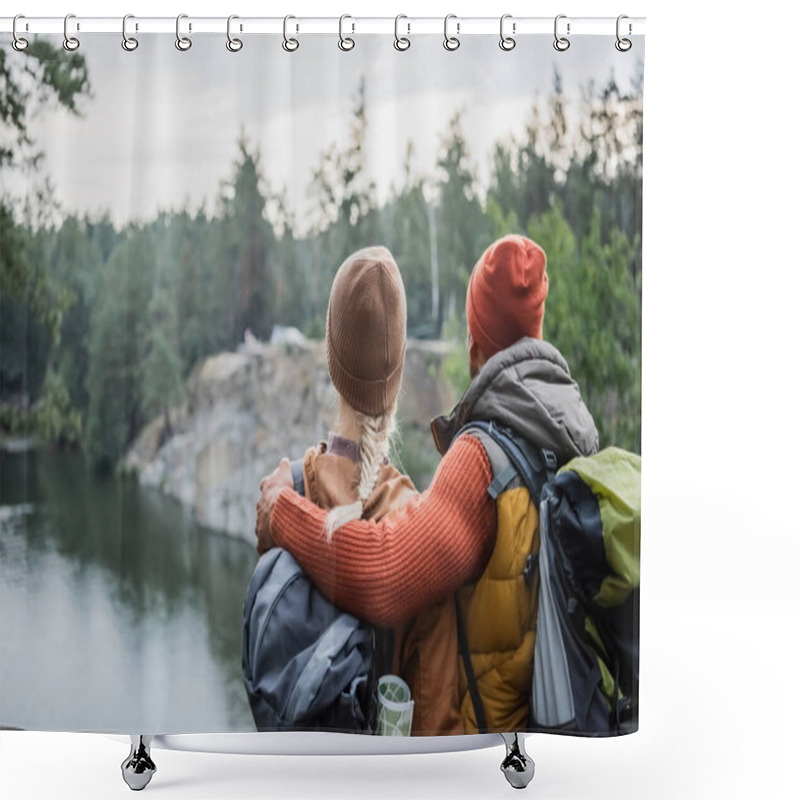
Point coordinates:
pixel 19 43
pixel 507 43
pixel 561 43
pixel 71 43
pixel 183 43
pixel 290 44
pixel 451 43
pixel 233 44
pixel 401 43
pixel 129 43
pixel 346 43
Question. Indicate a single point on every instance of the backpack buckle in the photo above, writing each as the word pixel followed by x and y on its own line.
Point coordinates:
pixel 550 464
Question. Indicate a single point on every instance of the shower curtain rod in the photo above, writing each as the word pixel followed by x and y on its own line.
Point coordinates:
pixel 349 25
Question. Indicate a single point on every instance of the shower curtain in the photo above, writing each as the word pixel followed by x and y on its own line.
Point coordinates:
pixel 172 221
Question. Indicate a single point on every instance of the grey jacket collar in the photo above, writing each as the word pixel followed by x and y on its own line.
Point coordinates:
pixel 527 388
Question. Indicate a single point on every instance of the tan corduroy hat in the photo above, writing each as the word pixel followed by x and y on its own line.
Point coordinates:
pixel 365 333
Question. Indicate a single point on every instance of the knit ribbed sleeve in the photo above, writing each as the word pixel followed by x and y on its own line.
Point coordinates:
pixel 386 572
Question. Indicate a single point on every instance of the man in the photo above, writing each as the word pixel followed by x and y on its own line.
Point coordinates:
pixel 458 538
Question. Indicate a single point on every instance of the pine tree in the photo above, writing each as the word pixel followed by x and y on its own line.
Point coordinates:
pixel 244 268
pixel 163 386
pixel 463 232
pixel 117 349
pixel 593 316
pixel 346 208
pixel 405 228
pixel 56 75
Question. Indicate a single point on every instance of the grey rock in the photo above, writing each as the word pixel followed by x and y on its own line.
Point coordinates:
pixel 244 411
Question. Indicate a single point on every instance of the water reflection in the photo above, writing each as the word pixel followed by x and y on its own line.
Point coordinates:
pixel 118 612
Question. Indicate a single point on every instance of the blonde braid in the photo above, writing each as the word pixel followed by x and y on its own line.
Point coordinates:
pixel 374 446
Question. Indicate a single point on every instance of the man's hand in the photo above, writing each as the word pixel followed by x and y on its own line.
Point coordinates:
pixel 271 487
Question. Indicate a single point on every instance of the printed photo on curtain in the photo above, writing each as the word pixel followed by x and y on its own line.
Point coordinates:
pixel 320 383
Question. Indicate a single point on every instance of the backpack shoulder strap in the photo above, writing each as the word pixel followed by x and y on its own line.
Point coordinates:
pixel 472 683
pixel 297 477
pixel 519 458
pixel 503 471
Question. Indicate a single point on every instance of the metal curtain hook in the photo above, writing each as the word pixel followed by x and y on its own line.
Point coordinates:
pixel 507 42
pixel 401 42
pixel 289 45
pixel 451 42
pixel 129 43
pixel 623 45
pixel 70 42
pixel 234 45
pixel 561 43
pixel 346 42
pixel 183 43
pixel 19 43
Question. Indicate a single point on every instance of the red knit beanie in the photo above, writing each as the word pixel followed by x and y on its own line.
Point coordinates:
pixel 506 294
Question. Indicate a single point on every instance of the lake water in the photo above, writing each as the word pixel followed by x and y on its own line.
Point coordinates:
pixel 117 612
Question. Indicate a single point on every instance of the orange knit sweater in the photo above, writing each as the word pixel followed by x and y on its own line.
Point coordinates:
pixel 386 572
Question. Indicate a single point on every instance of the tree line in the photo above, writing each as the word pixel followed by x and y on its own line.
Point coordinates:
pixel 100 327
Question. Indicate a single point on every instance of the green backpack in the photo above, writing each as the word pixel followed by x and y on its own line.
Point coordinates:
pixel 586 662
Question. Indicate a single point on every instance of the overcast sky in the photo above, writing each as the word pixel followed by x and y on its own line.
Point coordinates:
pixel 161 126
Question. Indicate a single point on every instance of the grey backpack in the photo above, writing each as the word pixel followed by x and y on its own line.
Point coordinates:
pixel 307 664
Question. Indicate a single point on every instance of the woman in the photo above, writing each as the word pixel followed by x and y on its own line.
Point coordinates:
pixel 351 475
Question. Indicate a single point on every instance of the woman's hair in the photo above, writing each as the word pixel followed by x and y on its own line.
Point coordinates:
pixel 376 434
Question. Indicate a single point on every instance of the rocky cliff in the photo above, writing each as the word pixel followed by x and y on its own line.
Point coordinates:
pixel 245 410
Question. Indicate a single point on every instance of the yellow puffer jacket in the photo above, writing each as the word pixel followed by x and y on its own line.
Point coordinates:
pixel 499 613
pixel 528 389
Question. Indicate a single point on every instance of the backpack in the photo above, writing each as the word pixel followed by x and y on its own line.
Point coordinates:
pixel 586 662
pixel 306 664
